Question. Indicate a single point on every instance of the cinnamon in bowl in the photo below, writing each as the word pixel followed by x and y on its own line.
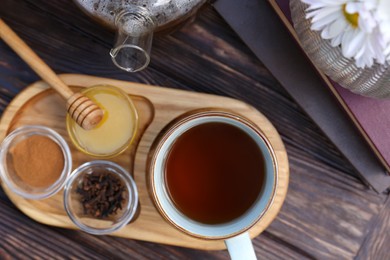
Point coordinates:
pixel 35 162
pixel 28 155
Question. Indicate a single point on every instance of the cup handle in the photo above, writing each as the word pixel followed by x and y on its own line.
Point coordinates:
pixel 240 247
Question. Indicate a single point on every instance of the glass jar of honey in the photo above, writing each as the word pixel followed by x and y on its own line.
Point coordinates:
pixel 115 132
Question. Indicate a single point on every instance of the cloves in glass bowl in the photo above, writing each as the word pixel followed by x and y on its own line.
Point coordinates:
pixel 100 197
pixel 101 194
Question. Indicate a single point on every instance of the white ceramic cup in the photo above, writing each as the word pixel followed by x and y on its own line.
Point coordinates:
pixel 235 233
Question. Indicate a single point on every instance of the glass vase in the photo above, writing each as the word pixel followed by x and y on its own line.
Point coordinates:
pixel 371 82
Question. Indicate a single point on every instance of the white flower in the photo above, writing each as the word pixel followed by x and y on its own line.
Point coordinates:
pixel 327 17
pixel 369 45
pixel 360 27
pixel 383 16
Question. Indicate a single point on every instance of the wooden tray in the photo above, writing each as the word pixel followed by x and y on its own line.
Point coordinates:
pixel 156 106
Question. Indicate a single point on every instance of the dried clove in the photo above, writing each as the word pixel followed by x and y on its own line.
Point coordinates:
pixel 102 194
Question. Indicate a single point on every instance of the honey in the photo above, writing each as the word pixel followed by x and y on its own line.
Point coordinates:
pixel 116 130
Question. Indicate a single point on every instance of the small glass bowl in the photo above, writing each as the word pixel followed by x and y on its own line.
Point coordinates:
pixel 74 206
pixel 117 130
pixel 8 171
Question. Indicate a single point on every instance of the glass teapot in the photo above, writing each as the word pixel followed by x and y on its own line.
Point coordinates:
pixel 135 21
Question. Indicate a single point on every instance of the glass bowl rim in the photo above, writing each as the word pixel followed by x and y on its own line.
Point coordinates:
pixel 30 130
pixel 70 123
pixel 131 188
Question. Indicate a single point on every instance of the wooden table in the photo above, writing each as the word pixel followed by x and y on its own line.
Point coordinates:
pixel 328 214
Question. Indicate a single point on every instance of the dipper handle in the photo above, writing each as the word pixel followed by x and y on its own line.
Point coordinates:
pixel 83 110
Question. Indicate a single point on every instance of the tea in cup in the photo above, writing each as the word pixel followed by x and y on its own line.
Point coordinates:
pixel 212 175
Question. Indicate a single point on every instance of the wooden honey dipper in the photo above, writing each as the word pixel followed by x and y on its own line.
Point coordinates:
pixel 83 110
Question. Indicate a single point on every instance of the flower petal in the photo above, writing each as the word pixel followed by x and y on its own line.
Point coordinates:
pixel 320 24
pixel 335 29
pixel 352 42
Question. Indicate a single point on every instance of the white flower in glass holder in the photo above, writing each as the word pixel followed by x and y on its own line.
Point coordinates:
pixel 349 40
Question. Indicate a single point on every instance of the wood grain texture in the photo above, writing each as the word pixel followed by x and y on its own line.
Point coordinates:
pixel 156 107
pixel 377 242
pixel 83 110
pixel 328 212
pixel 32 59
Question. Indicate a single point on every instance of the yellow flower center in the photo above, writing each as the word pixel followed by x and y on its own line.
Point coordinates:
pixel 351 18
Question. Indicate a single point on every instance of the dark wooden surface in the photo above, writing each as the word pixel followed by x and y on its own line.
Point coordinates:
pixel 328 213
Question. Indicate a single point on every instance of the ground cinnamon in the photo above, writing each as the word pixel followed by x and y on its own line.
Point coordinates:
pixel 38 161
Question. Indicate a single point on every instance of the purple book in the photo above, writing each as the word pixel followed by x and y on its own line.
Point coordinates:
pixel 370 115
